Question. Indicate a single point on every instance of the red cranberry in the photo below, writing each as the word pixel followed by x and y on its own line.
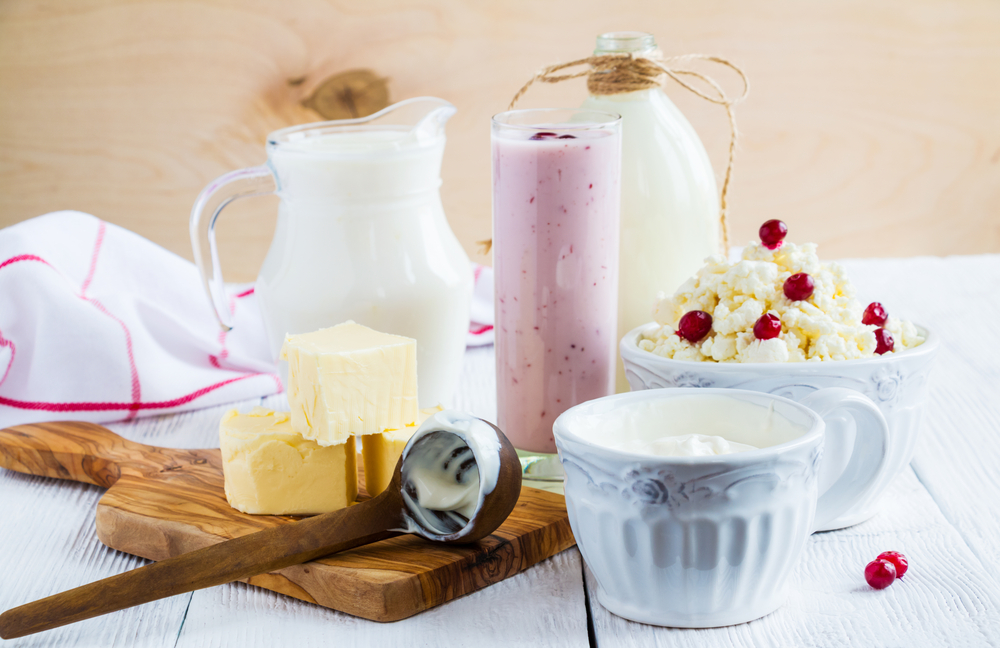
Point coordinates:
pixel 767 327
pixel 799 286
pixel 542 135
pixel 880 573
pixel 898 561
pixel 883 341
pixel 694 325
pixel 875 315
pixel 567 136
pixel 772 233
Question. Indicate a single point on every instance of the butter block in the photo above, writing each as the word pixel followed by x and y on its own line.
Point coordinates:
pixel 270 469
pixel 382 450
pixel 349 379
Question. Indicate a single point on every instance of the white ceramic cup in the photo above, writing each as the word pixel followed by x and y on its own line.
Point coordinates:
pixel 896 383
pixel 706 541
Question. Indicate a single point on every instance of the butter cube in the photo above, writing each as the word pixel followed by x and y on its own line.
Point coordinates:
pixel 271 470
pixel 349 379
pixel 382 450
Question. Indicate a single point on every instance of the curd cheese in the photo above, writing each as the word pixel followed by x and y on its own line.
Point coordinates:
pixel 825 326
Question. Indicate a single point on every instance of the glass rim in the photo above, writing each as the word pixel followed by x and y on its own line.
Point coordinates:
pixel 609 119
pixel 624 41
pixel 625 35
pixel 291 144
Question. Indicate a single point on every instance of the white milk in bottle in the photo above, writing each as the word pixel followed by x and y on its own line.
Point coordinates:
pixel 670 203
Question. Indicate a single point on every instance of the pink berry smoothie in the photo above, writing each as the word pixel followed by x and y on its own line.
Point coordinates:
pixel 556 198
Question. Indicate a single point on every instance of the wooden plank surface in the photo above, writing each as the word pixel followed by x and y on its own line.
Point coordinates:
pixel 49 544
pixel 53 545
pixel 164 502
pixel 959 450
pixel 874 129
pixel 542 607
pixel 946 598
pixel 942 516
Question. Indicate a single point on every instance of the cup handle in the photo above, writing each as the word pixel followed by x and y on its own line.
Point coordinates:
pixel 868 453
pixel 253 181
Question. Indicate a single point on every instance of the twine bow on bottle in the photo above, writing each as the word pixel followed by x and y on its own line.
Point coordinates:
pixel 610 74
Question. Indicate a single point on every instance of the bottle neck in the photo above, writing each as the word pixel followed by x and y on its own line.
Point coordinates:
pixel 624 43
pixel 621 82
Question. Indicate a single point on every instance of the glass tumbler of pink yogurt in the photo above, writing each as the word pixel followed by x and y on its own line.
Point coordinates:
pixel 556 204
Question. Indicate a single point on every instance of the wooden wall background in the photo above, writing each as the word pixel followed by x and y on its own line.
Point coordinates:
pixel 872 127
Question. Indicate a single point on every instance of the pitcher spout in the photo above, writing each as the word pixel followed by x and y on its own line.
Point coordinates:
pixel 418 121
pixel 431 125
pixel 425 117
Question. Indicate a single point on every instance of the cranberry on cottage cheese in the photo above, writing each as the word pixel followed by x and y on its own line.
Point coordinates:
pixel 825 325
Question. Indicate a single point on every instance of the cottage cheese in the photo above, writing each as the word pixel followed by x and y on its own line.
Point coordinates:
pixel 827 326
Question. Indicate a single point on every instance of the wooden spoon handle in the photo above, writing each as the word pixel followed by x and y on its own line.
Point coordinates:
pixel 242 557
pixel 85 452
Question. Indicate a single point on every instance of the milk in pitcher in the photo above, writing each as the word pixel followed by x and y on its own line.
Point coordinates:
pixel 361 235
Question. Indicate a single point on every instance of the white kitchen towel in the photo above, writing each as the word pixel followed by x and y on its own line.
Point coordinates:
pixel 481 312
pixel 100 324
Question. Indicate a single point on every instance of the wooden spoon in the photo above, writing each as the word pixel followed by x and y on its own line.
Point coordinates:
pixel 382 517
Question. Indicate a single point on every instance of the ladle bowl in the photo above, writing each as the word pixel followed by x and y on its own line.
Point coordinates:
pixel 381 517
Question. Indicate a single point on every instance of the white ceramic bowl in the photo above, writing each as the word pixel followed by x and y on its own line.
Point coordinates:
pixel 896 383
pixel 706 541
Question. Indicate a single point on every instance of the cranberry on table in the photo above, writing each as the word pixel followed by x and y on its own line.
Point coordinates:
pixel 880 573
pixel 875 315
pixel 767 327
pixel 883 341
pixel 772 233
pixel 799 286
pixel 694 325
pixel 898 561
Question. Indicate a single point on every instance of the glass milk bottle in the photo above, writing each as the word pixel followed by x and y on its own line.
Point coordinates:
pixel 670 204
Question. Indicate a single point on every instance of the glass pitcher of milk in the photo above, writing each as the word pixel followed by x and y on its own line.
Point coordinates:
pixel 670 204
pixel 361 235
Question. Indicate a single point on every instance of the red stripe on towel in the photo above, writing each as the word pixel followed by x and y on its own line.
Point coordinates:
pixel 133 369
pixel 91 407
pixel 4 342
pixel 93 258
pixel 216 361
pixel 25 257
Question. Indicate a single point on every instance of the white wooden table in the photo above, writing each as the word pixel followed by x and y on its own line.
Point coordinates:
pixel 943 512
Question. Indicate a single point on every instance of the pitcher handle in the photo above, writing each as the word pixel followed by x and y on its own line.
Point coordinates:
pixel 252 181
pixel 868 449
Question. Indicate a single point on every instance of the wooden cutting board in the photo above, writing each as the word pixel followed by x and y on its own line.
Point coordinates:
pixel 161 503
